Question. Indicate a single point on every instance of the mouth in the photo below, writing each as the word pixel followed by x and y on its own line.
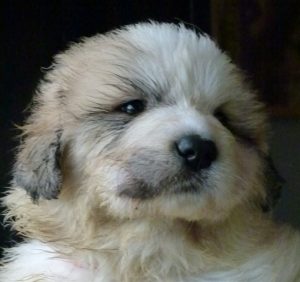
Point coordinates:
pixel 183 183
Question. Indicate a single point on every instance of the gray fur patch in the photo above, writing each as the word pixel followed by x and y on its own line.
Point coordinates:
pixel 154 174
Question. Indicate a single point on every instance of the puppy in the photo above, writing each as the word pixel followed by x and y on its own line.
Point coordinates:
pixel 144 159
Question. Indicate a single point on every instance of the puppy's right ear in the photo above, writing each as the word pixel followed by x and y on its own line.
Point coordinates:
pixel 38 165
pixel 274 183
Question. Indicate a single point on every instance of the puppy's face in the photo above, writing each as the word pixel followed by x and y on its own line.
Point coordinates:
pixel 152 121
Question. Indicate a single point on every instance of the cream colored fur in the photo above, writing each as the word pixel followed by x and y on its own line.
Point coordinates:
pixel 79 153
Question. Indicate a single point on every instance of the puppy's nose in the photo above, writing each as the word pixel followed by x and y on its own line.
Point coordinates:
pixel 198 153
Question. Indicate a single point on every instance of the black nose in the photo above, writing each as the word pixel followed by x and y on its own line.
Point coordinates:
pixel 198 153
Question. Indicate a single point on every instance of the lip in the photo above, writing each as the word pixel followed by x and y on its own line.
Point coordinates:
pixel 185 182
pixel 138 190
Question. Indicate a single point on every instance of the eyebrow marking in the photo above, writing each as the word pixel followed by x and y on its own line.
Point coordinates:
pixel 140 86
pixel 138 80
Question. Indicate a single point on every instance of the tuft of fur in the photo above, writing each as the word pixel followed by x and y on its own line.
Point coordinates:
pixel 101 195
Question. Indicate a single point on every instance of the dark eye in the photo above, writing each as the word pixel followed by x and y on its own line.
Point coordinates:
pixel 221 117
pixel 133 107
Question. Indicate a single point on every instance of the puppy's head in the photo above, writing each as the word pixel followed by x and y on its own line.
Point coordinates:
pixel 150 120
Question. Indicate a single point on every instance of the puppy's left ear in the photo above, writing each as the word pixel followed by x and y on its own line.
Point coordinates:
pixel 273 183
pixel 38 165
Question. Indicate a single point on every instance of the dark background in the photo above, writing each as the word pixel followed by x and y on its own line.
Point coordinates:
pixel 33 31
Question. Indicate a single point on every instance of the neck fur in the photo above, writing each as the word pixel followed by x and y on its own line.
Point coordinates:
pixel 137 247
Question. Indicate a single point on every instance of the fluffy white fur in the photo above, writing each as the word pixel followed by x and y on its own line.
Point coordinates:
pixel 80 154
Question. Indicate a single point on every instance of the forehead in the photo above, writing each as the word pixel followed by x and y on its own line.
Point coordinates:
pixel 184 63
pixel 167 61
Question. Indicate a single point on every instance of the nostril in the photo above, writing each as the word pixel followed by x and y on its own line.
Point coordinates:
pixel 208 153
pixel 198 153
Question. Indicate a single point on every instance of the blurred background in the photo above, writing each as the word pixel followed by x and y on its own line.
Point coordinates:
pixel 261 36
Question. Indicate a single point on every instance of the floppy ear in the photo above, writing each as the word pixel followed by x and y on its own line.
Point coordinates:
pixel 38 168
pixel 273 184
